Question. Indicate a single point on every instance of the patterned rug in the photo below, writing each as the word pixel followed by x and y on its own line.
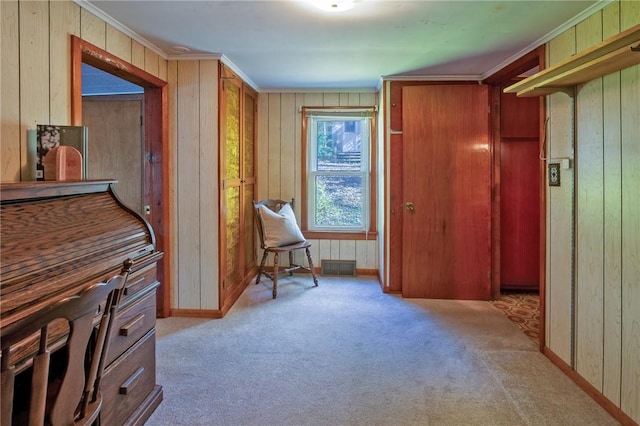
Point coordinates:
pixel 524 310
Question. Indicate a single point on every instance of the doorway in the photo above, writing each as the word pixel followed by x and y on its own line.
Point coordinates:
pixel 155 141
pixel 519 213
pixel 112 110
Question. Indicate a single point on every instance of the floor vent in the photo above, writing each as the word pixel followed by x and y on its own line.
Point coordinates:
pixel 338 267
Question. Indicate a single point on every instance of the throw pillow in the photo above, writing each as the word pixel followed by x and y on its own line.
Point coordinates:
pixel 280 228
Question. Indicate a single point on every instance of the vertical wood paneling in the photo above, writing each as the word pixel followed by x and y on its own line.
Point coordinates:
pixel 172 157
pixel 298 155
pixel 361 255
pixel 137 54
pixel 368 99
pixel 9 93
pixel 162 70
pixel 274 143
pixel 188 103
pixel 288 145
pixel 313 99
pixel 209 212
pixel 118 43
pixel 331 99
pixel 324 250
pixel 65 20
pixel 347 249
pixel 612 327
pixel 629 14
pixel 334 249
pixel 92 29
pixel 34 69
pixel 262 148
pixel 589 228
pixel 630 99
pixel 151 61
pixel 559 212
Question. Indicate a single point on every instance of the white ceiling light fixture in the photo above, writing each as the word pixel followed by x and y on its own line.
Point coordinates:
pixel 181 49
pixel 334 5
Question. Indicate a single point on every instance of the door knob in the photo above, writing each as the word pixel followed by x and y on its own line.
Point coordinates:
pixel 410 206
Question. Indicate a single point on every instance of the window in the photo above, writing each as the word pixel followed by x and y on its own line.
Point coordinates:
pixel 337 169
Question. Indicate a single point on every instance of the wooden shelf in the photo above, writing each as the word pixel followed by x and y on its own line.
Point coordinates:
pixel 611 55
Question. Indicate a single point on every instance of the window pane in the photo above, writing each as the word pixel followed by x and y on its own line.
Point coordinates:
pixel 338 145
pixel 338 201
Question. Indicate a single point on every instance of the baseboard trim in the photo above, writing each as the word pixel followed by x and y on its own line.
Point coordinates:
pixel 196 313
pixel 594 393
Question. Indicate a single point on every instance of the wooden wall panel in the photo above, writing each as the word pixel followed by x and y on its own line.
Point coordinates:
pixel 612 327
pixel 630 98
pixel 34 69
pixel 151 61
pixel 137 54
pixel 559 214
pixel 10 147
pixel 273 158
pixel 92 29
pixel 630 131
pixel 162 69
pixel 188 249
pixel 607 312
pixel 118 43
pixel 262 148
pixel 209 211
pixel 65 20
pixel 589 220
pixel 172 112
pixel 288 147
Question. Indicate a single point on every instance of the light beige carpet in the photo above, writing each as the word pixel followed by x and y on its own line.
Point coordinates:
pixel 344 353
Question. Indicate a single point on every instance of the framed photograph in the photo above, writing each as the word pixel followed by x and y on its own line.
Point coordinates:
pixel 49 136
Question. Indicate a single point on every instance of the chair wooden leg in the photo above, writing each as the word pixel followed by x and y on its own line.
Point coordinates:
pixel 275 275
pixel 261 269
pixel 313 271
pixel 290 263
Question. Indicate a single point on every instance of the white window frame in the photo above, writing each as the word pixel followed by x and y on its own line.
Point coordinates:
pixel 366 116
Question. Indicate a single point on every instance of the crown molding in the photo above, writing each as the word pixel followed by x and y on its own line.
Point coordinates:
pixel 109 20
pixel 239 72
pixel 601 4
pixel 435 77
pixel 318 90
pixel 195 57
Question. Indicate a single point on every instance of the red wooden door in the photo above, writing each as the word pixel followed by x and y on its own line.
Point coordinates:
pixel 446 230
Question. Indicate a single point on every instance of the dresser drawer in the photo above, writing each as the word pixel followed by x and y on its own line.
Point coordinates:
pixel 140 279
pixel 128 381
pixel 131 323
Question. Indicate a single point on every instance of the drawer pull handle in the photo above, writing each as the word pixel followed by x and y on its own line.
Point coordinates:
pixel 125 388
pixel 131 326
pixel 127 289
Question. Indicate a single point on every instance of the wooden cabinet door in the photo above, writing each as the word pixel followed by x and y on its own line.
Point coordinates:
pixel 446 230
pixel 237 168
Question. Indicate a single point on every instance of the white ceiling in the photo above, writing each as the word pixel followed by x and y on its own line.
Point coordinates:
pixel 290 44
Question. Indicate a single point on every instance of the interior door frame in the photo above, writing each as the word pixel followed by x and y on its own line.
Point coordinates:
pixel 536 57
pixel 156 145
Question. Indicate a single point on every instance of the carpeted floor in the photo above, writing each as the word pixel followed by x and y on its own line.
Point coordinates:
pixel 522 309
pixel 344 353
